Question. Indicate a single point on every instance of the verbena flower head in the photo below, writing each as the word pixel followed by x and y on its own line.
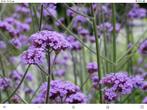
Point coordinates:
pixel 49 39
pixel 110 95
pixel 32 56
pixel 108 27
pixel 144 86
pixel 75 44
pixel 15 75
pixel 118 83
pixel 79 20
pixel 5 83
pixel 16 99
pixel 49 9
pixel 62 92
pixel 59 72
pixel 138 81
pixel 143 47
pixel 95 81
pixel 92 67
pixel 137 12
pixel 76 98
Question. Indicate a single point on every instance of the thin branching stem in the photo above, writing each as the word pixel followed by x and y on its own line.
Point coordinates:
pixel 13 93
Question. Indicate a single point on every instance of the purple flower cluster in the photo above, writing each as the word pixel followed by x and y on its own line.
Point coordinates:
pixel 108 27
pixel 5 83
pixel 49 9
pixel 144 86
pixel 22 9
pixel 40 42
pixel 138 81
pixel 19 42
pixel 143 47
pixel 61 92
pixel 15 75
pixel 75 44
pixel 59 72
pixel 92 70
pixel 137 12
pixel 14 27
pixel 59 21
pixel 32 56
pixel 92 67
pixel 49 39
pixel 78 20
pixel 119 83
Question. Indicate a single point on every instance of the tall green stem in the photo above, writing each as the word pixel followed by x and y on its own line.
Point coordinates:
pixel 74 69
pixel 114 34
pixel 97 53
pixel 41 17
pixel 49 74
pixel 13 93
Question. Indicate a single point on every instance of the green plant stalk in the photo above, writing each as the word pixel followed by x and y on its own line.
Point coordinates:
pixel 129 41
pixel 41 17
pixel 114 34
pixel 105 44
pixel 81 73
pixel 49 75
pixel 97 54
pixel 74 69
pixel 13 93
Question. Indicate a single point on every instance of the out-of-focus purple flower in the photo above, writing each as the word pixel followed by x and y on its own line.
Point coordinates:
pixel 29 77
pixel 137 12
pixel 28 91
pixel 49 39
pixel 59 72
pixel 50 10
pixel 47 27
pixel 60 91
pixel 59 21
pixel 76 98
pixel 138 70
pixel 144 86
pixel 143 47
pixel 79 20
pixel 71 13
pixel 19 42
pixel 22 9
pixel 75 44
pixel 92 67
pixel 91 39
pixel 15 75
pixel 2 45
pixel 108 27
pixel 138 81
pixel 28 20
pixel 5 83
pixel 16 43
pixel 84 33
pixel 95 80
pixel 121 83
pixel 144 100
pixel 32 56
pixel 16 99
